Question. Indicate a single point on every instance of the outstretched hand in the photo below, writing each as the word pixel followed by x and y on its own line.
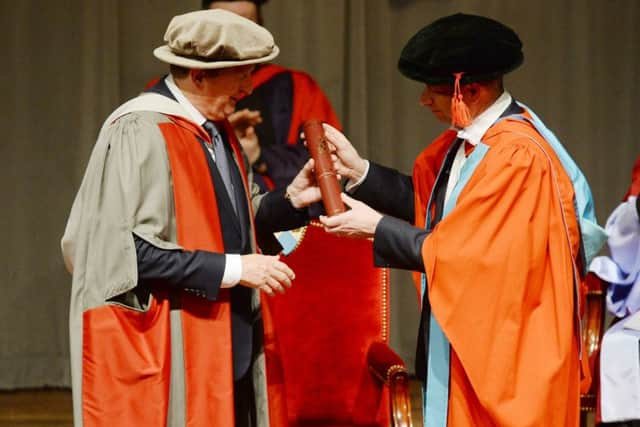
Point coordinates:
pixel 359 221
pixel 266 273
pixel 346 159
pixel 304 190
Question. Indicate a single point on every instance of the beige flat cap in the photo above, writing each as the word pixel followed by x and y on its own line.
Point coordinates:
pixel 209 39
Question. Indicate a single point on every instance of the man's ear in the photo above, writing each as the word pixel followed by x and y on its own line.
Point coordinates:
pixel 471 92
pixel 197 77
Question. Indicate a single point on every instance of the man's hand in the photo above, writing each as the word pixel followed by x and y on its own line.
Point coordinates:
pixel 304 190
pixel 359 221
pixel 244 122
pixel 347 161
pixel 266 273
pixel 242 119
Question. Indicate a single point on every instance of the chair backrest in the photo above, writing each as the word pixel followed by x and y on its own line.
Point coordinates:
pixel 322 330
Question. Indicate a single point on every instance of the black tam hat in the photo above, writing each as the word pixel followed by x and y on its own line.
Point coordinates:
pixel 478 47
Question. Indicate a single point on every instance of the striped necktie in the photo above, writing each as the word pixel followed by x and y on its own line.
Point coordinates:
pixel 221 159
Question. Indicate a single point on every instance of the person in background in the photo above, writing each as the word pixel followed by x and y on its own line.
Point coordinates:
pixel 619 354
pixel 269 120
pixel 165 315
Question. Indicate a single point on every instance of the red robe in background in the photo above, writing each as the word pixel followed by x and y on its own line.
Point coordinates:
pixel 286 98
pixel 634 188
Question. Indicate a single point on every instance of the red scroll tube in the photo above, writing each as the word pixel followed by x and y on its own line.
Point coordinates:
pixel 326 176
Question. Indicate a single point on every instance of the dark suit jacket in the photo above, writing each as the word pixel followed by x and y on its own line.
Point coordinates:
pixel 201 272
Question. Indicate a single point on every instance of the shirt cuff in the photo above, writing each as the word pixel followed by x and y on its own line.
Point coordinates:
pixel 352 185
pixel 232 271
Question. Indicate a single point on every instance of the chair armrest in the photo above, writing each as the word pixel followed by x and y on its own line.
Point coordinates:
pixel 593 320
pixel 593 328
pixel 390 370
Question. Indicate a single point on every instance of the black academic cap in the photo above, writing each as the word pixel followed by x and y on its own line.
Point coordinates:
pixel 479 47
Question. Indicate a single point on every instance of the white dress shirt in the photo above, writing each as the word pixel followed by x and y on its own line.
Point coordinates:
pixel 473 135
pixel 233 264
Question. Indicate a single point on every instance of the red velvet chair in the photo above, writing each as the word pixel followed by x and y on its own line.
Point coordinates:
pixel 328 362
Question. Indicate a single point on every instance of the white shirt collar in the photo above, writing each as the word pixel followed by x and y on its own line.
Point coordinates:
pixel 195 115
pixel 479 126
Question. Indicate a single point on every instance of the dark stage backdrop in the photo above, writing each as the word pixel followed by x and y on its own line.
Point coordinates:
pixel 67 64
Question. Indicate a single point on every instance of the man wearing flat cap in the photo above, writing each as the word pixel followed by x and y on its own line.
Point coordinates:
pixel 165 310
pixel 498 220
pixel 270 120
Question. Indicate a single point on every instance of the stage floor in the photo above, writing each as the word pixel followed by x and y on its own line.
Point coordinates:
pixel 52 407
pixel 36 408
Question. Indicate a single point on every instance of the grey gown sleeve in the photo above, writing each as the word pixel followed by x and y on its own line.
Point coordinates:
pixel 126 192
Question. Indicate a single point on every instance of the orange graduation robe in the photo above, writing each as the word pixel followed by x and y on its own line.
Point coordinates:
pixel 501 277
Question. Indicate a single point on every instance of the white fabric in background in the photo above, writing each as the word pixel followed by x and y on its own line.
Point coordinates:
pixel 620 351
pixel 622 268
pixel 620 374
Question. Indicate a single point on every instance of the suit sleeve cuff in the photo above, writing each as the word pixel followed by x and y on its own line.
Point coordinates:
pixel 232 271
pixel 398 244
pixel 276 213
pixel 352 185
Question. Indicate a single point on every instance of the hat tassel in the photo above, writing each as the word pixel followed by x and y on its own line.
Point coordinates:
pixel 460 116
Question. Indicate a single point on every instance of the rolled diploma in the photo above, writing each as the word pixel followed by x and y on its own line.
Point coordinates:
pixel 326 176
